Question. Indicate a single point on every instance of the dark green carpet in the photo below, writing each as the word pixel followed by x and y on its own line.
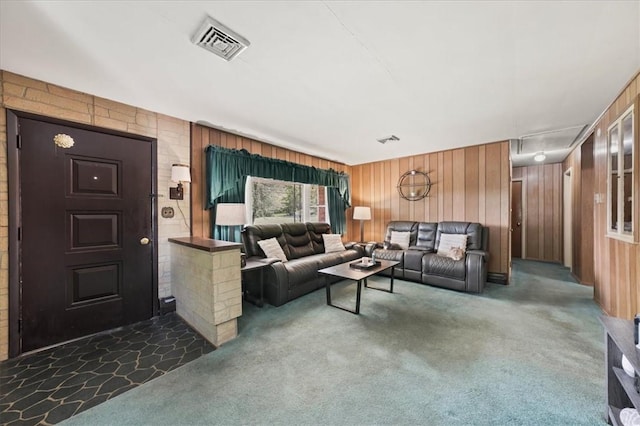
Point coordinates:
pixel 526 354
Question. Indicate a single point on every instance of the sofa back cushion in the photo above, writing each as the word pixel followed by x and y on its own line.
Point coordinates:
pixel 316 229
pixel 426 239
pixel 472 230
pixel 298 240
pixel 251 234
pixel 403 226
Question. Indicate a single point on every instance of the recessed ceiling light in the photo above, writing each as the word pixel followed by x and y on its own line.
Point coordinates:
pixel 540 156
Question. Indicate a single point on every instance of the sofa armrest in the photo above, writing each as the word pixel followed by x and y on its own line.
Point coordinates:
pixel 352 245
pixel 276 283
pixel 267 260
pixel 370 247
pixel 476 264
pixel 484 254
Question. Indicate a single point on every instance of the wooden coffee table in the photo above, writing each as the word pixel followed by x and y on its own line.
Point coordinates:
pixel 345 271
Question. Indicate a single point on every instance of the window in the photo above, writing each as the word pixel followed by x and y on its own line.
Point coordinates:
pixel 276 201
pixel 620 188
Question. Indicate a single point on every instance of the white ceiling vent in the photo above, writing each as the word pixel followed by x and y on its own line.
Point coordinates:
pixel 219 39
pixel 388 139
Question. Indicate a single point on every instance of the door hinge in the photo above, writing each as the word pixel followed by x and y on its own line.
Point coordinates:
pixel 20 326
pixel 19 141
pixel 19 234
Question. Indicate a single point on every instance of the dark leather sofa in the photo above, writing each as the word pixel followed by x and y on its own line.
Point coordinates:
pixel 303 246
pixel 421 263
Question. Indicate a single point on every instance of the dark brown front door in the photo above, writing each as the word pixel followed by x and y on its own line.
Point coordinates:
pixel 85 211
pixel 516 218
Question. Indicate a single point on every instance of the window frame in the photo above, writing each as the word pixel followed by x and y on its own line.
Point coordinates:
pixel 619 232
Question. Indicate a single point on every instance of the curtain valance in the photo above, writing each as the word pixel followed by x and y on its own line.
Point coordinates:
pixel 226 167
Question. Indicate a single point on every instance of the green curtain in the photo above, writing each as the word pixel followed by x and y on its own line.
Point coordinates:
pixel 227 171
pixel 337 208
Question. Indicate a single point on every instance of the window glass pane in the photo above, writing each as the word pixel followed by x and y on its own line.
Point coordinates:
pixel 627 141
pixel 313 214
pixel 627 180
pixel 627 208
pixel 614 202
pixel 614 143
pixel 276 202
pixel 322 214
pixel 271 202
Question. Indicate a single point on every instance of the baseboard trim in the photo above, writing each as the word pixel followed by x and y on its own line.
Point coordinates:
pixel 577 278
pixel 498 278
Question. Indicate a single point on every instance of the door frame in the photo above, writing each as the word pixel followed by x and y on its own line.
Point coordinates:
pixel 15 218
pixel 523 202
pixel 567 218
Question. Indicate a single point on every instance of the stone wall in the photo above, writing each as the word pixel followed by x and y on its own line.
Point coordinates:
pixel 209 293
pixel 25 94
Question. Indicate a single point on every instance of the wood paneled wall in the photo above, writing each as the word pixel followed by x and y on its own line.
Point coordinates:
pixel 617 263
pixel 202 136
pixel 542 189
pixel 469 184
pixel 582 170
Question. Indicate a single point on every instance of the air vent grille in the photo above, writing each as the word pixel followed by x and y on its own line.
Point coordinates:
pixel 219 39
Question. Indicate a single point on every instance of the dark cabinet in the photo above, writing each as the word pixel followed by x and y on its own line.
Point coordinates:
pixel 621 388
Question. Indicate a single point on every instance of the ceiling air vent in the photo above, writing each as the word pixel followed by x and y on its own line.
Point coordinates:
pixel 219 39
pixel 388 139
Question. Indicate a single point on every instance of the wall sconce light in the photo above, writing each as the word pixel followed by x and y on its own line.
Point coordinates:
pixel 362 213
pixel 179 173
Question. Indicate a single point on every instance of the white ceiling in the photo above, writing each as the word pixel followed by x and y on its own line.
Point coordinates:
pixel 329 78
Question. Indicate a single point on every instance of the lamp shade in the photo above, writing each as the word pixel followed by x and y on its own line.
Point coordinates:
pixel 230 214
pixel 180 173
pixel 362 213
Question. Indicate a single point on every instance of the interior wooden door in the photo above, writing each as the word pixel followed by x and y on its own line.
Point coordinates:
pixel 516 218
pixel 86 262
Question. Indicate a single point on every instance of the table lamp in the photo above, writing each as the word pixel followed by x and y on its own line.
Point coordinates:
pixel 230 214
pixel 362 213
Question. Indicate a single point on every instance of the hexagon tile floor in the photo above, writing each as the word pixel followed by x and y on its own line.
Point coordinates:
pixel 53 385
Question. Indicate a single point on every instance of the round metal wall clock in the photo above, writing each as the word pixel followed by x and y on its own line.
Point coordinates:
pixel 414 185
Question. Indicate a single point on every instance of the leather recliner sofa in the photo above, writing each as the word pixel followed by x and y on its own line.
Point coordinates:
pixel 421 263
pixel 303 246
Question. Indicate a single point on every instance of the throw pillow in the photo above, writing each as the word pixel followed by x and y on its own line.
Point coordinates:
pixel 400 238
pixel 271 248
pixel 452 245
pixel 332 242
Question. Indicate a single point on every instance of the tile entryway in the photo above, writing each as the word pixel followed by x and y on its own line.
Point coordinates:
pixel 53 385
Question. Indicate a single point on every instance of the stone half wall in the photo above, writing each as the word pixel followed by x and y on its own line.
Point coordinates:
pixel 208 291
pixel 173 136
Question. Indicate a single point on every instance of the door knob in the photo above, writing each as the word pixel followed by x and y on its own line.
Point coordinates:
pixel 518 223
pixel 144 241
